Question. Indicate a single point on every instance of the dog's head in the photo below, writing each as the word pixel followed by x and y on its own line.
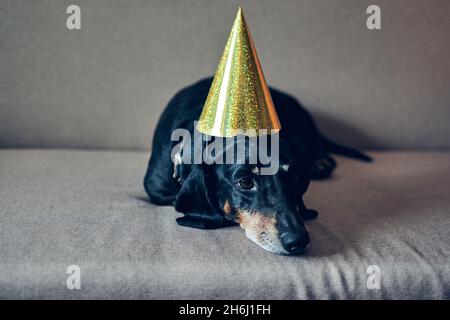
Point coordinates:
pixel 265 206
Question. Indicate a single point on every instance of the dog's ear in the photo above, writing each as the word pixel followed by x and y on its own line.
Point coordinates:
pixel 197 199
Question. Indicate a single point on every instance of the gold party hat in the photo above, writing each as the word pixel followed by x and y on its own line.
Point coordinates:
pixel 239 100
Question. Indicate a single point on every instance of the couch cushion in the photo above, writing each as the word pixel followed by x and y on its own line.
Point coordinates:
pixel 106 85
pixel 88 208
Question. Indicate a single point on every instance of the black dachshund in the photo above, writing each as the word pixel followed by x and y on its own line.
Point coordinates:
pixel 268 207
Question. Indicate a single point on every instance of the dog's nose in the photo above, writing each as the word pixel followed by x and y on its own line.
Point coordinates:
pixel 295 243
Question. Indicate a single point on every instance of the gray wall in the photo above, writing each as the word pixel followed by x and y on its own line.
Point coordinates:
pixel 106 85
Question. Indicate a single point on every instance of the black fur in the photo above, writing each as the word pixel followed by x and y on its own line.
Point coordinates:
pixel 196 191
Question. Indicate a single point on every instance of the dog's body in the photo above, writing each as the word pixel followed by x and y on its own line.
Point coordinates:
pixel 210 198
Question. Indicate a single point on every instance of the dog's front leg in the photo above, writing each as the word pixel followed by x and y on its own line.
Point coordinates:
pixel 307 214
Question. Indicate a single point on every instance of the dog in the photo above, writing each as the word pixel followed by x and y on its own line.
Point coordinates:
pixel 269 208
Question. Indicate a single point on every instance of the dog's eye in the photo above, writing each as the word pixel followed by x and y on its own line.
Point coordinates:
pixel 246 183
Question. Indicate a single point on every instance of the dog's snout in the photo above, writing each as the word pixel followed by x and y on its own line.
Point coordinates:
pixel 295 243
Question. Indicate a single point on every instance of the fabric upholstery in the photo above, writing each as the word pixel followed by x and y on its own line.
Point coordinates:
pixel 88 208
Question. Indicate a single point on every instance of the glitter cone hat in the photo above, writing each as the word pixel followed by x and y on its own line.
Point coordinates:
pixel 239 100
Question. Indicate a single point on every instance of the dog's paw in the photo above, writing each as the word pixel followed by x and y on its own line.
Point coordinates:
pixel 309 214
pixel 322 168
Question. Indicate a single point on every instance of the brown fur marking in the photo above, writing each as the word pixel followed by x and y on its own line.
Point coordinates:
pixel 227 207
pixel 257 222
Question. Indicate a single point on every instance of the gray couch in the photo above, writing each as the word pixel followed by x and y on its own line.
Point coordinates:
pixel 78 109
